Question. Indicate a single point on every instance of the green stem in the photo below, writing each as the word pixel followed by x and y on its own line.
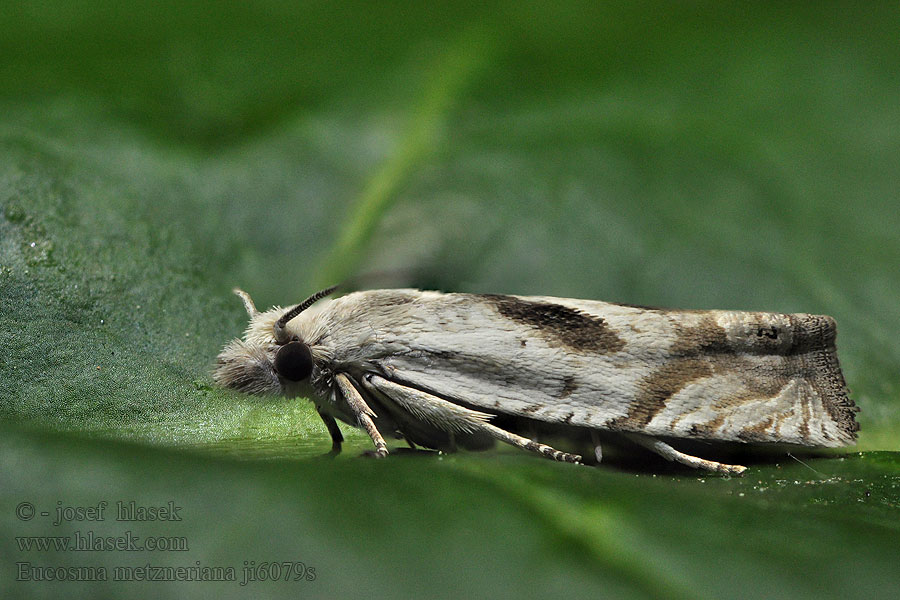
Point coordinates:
pixel 454 69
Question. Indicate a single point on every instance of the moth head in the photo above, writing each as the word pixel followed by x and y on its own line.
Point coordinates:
pixel 269 359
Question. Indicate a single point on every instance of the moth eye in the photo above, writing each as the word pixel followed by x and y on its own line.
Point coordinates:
pixel 293 361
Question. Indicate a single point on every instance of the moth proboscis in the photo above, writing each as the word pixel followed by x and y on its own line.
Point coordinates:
pixel 436 369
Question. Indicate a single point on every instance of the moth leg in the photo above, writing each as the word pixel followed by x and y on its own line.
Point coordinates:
pixel 362 412
pixel 598 449
pixel 453 418
pixel 527 444
pixel 670 453
pixel 337 437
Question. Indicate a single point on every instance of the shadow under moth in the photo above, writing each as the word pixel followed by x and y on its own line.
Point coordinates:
pixel 436 369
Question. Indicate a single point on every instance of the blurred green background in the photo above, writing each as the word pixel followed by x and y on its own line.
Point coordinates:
pixel 153 155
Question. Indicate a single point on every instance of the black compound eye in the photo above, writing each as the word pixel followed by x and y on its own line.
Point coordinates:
pixel 293 361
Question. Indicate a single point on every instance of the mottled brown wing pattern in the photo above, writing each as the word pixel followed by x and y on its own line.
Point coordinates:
pixel 723 375
pixel 717 385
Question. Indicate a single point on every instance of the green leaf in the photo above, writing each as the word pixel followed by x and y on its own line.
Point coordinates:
pixel 155 155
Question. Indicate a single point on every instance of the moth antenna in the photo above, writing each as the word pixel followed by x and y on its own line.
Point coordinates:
pixel 280 335
pixel 248 302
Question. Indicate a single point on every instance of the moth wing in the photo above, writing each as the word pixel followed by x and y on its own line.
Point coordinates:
pixel 693 374
pixel 555 360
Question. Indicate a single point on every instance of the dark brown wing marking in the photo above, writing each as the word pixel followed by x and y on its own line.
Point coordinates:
pixel 559 325
pixel 569 386
pixel 657 388
pixel 705 337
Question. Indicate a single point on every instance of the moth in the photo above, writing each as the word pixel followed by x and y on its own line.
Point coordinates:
pixel 439 369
